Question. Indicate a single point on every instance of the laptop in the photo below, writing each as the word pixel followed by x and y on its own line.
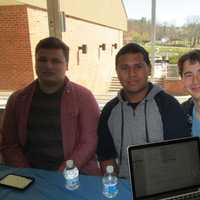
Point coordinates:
pixel 166 170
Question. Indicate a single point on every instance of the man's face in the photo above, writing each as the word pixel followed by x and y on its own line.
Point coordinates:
pixel 133 72
pixel 191 78
pixel 51 66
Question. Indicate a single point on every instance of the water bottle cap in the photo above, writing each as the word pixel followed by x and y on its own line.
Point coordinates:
pixel 109 169
pixel 70 163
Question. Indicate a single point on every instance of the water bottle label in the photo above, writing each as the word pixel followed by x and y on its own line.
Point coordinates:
pixel 111 188
pixel 72 181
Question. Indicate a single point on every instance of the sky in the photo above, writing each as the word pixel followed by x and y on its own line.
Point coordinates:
pixel 174 12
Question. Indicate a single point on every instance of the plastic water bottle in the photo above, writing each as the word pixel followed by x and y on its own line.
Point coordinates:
pixel 71 174
pixel 110 181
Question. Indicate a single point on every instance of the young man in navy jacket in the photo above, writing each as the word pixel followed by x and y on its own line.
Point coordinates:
pixel 141 112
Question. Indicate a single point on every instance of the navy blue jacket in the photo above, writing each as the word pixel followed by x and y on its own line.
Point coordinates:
pixel 173 120
pixel 188 108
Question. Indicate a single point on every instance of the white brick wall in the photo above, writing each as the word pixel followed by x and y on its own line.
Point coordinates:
pixel 38 29
pixel 96 68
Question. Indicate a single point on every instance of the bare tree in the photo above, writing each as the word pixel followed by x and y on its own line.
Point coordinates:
pixel 193 29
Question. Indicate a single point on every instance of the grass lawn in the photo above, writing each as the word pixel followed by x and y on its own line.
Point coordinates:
pixel 169 52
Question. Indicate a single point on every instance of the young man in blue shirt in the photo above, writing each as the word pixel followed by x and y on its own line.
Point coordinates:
pixel 189 69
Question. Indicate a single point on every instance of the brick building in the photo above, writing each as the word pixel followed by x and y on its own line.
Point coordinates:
pixel 15 51
pixel 98 25
pixel 90 22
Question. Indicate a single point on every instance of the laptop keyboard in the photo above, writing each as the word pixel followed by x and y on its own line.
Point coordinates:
pixel 190 196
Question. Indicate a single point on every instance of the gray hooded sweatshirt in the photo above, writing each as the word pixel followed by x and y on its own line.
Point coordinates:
pixel 157 117
pixel 132 127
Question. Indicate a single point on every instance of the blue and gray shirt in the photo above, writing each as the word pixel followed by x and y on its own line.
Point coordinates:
pixel 157 117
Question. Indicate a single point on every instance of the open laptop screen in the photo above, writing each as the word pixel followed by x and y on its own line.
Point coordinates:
pixel 165 167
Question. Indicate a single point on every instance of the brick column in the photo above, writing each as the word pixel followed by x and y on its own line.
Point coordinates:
pixel 15 53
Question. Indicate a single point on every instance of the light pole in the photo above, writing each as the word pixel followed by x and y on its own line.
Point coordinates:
pixel 53 9
pixel 153 35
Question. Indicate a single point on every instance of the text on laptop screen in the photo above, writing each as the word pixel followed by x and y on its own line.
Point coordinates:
pixel 163 168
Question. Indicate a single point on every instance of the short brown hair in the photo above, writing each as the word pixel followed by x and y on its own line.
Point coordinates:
pixel 133 48
pixel 53 43
pixel 191 56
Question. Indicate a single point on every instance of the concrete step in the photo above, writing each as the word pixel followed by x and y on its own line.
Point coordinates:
pixel 115 85
pixel 102 99
pixel 158 81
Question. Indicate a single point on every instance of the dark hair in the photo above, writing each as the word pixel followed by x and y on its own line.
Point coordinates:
pixel 192 56
pixel 133 48
pixel 53 43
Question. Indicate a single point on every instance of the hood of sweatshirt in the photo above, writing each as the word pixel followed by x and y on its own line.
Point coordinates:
pixel 153 91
